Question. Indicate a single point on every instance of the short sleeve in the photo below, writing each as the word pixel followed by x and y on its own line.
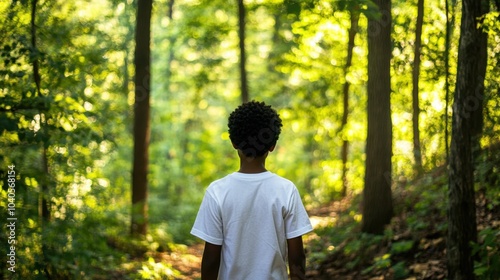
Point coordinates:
pixel 296 219
pixel 208 223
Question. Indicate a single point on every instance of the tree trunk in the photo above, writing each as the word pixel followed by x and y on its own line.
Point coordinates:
pixel 476 104
pixel 377 197
pixel 273 55
pixel 450 25
pixel 44 194
pixel 36 71
pixel 171 42
pixel 142 60
pixel 44 201
pixel 462 228
pixel 243 71
pixel 417 152
pixel 170 13
pixel 353 30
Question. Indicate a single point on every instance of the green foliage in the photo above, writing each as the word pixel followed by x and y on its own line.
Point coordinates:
pixel 157 270
pixel 72 252
pixel 401 246
pixel 71 141
pixel 382 262
pixel 490 23
pixel 400 270
pixel 420 205
pixel 488 252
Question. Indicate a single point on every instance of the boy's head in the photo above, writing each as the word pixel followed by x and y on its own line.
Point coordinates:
pixel 254 128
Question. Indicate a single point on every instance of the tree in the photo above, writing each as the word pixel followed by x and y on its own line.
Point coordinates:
pixel 417 152
pixel 450 23
pixel 353 30
pixel 462 229
pixel 377 197
pixel 45 203
pixel 171 41
pixel 478 102
pixel 142 61
pixel 243 71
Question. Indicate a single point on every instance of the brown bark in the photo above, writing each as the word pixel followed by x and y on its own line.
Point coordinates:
pixel 377 197
pixel 462 229
pixel 142 62
pixel 477 103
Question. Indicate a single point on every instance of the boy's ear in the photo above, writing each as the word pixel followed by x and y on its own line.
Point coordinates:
pixel 272 148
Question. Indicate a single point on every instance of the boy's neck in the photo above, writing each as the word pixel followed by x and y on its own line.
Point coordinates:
pixel 252 165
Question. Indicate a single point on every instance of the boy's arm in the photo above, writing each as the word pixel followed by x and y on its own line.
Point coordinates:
pixel 210 262
pixel 296 258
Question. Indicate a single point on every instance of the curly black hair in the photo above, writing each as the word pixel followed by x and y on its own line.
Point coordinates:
pixel 254 128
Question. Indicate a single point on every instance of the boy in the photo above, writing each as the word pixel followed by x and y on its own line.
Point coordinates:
pixel 252 220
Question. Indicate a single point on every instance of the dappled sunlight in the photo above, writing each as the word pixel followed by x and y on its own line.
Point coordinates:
pixel 320 222
pixel 186 260
pixel 67 124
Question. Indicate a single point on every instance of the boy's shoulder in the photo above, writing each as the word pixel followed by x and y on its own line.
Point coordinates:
pixel 234 177
pixel 221 180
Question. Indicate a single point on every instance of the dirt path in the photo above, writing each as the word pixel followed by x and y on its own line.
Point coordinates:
pixel 186 260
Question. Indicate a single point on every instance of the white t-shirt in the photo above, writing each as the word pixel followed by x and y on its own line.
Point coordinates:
pixel 251 216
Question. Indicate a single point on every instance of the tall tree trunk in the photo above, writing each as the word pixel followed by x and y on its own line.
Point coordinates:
pixel 44 207
pixel 44 201
pixel 171 42
pixel 142 60
pixel 477 103
pixel 377 197
pixel 44 194
pixel 462 228
pixel 170 13
pixel 275 42
pixel 36 71
pixel 243 71
pixel 450 23
pixel 417 152
pixel 353 30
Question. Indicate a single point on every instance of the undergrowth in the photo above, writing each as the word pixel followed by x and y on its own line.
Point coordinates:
pixel 414 244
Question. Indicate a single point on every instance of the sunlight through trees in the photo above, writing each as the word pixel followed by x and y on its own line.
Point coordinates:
pixel 115 123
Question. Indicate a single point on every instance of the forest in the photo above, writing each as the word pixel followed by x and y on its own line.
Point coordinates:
pixel 113 122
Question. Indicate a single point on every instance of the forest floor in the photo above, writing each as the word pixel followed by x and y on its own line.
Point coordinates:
pixel 424 258
pixel 187 261
pixel 421 253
